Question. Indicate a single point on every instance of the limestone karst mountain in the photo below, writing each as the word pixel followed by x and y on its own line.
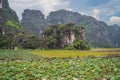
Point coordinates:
pixel 9 26
pixel 7 16
pixel 98 33
pixel 33 21
pixel 115 35
pixel 6 13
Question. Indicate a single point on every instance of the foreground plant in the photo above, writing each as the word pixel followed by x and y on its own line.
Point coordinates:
pixel 61 69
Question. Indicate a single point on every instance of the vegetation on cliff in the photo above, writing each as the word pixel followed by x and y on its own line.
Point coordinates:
pixel 65 36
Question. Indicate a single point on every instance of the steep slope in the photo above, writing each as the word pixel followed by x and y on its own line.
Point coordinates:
pixel 33 21
pixel 9 26
pixel 115 35
pixel 62 17
pixel 65 36
pixel 97 32
pixel 8 17
pixel 6 13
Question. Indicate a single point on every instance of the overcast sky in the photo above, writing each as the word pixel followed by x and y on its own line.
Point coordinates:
pixel 105 10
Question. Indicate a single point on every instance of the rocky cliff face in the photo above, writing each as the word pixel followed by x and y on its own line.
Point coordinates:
pixel 64 35
pixel 97 33
pixel 1 3
pixel 63 17
pixel 6 13
pixel 68 38
pixel 33 20
pixel 4 4
pixel 9 26
pixel 115 35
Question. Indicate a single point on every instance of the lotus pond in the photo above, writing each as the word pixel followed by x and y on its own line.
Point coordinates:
pixel 23 65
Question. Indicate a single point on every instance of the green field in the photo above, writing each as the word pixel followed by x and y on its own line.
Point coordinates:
pixel 59 65
pixel 75 53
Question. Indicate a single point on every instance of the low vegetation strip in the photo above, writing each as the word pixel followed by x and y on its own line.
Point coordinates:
pixel 16 55
pixel 107 50
pixel 61 69
pixel 73 53
pixel 23 65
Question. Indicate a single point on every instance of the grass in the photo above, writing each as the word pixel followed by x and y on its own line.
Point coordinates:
pixel 106 49
pixel 75 53
pixel 16 54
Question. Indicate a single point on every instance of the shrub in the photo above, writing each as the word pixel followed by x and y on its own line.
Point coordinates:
pixel 80 45
pixel 69 47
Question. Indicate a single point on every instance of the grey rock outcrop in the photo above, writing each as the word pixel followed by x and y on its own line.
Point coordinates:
pixel 33 21
pixel 6 13
pixel 115 35
pixel 97 33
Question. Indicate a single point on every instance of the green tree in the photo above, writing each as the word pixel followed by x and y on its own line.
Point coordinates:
pixel 50 42
pixel 79 44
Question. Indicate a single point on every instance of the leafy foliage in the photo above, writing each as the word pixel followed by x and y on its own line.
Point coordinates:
pixel 79 44
pixel 24 65
pixel 55 37
pixel 8 39
pixel 13 36
pixel 12 24
pixel 69 47
pixel 29 42
pixel 50 42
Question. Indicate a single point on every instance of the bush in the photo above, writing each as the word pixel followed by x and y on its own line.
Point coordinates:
pixel 30 42
pixel 13 24
pixel 49 42
pixel 80 45
pixel 69 47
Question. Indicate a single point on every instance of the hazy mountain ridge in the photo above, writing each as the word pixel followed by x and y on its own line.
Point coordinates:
pixel 6 13
pixel 115 35
pixel 98 33
pixel 12 34
pixel 33 21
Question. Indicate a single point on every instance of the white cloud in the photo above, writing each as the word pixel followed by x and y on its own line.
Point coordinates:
pixel 83 13
pixel 104 11
pixel 115 20
pixel 96 13
pixel 109 8
pixel 46 6
pixel 69 9
pixel 51 5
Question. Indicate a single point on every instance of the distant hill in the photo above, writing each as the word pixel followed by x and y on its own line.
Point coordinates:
pixel 98 33
pixel 33 21
pixel 6 13
pixel 8 17
pixel 115 35
pixel 10 29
